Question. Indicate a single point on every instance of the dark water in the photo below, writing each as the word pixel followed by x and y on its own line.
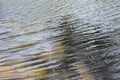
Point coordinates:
pixel 59 40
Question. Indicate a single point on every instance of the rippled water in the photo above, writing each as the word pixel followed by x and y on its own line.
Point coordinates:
pixel 59 40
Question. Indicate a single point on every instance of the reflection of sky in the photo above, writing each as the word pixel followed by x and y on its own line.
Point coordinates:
pixel 19 18
pixel 37 10
pixel 17 29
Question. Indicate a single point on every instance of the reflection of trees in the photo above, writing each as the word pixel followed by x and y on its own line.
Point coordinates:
pixel 92 51
pixel 67 26
pixel 95 60
pixel 85 49
pixel 71 51
pixel 79 51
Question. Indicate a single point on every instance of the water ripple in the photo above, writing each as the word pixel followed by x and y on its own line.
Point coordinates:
pixel 60 40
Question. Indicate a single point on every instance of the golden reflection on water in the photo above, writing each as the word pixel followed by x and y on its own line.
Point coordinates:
pixel 62 40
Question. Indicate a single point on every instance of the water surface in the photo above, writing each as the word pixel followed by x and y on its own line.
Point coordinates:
pixel 59 40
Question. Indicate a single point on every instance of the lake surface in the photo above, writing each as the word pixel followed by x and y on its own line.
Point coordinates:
pixel 59 39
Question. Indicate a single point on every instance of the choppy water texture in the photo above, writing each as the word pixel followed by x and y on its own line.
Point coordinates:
pixel 59 39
